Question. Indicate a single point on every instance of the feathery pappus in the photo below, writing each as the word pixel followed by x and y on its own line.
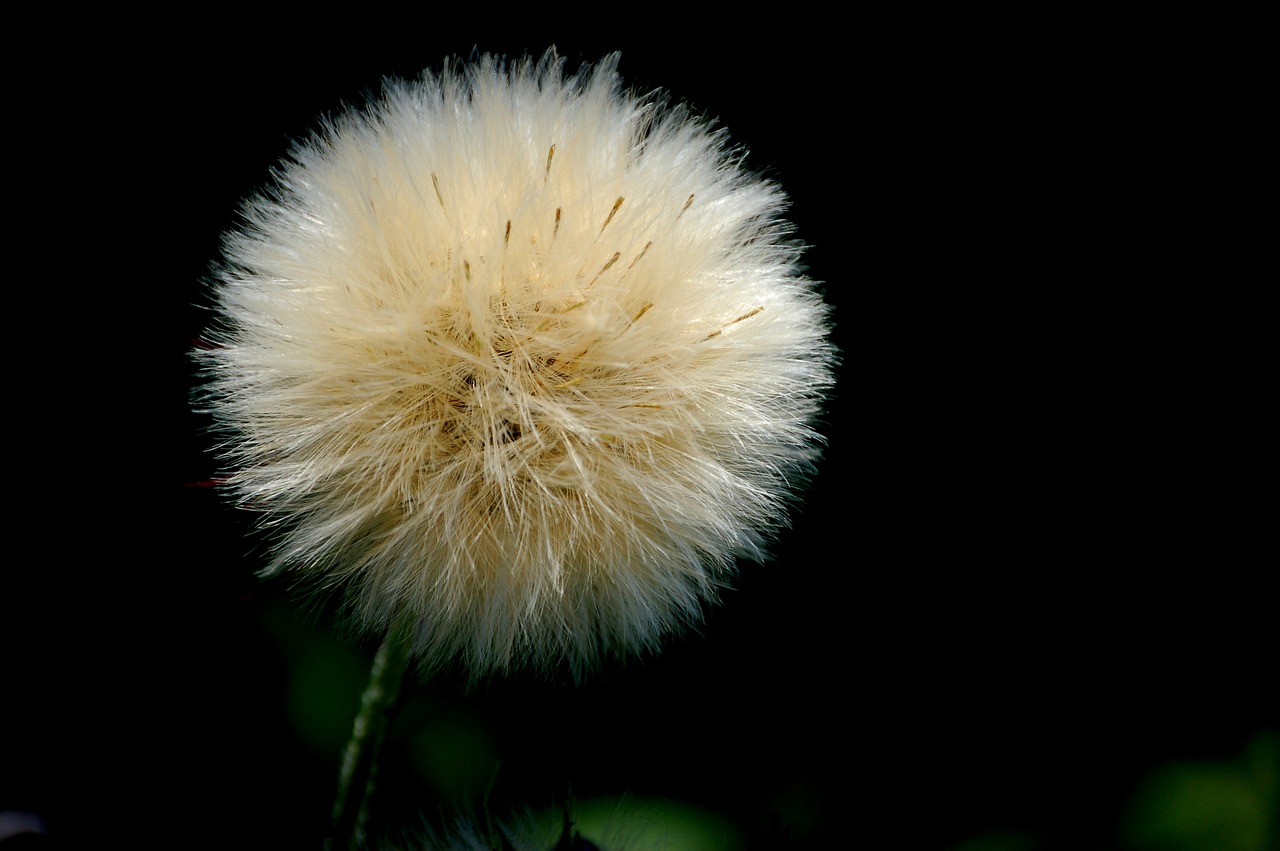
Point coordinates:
pixel 521 356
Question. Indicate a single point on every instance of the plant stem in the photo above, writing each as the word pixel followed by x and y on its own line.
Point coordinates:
pixel 378 706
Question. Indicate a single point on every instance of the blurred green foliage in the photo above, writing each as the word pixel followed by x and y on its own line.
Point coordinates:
pixel 449 756
pixel 455 754
pixel 1226 805
pixel 648 824
pixel 1184 805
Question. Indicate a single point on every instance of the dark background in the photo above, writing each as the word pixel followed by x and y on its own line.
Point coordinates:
pixel 1023 583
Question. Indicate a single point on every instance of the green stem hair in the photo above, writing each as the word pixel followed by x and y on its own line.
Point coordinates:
pixel 378 706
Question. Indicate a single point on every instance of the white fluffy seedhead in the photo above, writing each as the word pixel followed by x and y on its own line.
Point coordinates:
pixel 521 356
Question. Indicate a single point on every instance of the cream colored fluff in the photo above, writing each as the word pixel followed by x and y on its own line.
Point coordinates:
pixel 522 356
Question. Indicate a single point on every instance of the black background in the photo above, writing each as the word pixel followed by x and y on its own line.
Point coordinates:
pixel 1023 577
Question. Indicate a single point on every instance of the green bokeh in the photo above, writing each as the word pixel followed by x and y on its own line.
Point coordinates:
pixel 648 824
pixel 1228 805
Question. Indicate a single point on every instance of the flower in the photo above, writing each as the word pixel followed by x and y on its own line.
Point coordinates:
pixel 521 357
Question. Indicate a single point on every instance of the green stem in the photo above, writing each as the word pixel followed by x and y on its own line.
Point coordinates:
pixel 378 706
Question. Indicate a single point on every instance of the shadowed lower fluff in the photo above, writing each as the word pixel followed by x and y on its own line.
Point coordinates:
pixel 521 356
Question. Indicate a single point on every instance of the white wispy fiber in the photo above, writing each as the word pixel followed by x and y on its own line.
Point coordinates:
pixel 520 355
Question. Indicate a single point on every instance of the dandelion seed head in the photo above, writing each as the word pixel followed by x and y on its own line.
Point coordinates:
pixel 522 356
